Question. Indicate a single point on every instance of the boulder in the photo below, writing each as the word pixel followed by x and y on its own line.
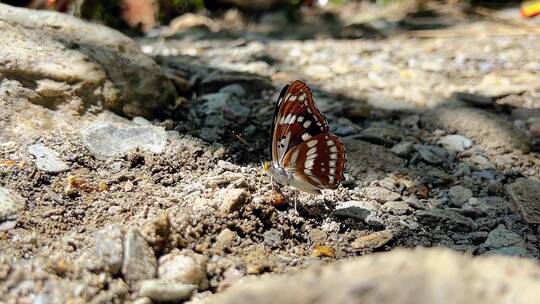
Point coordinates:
pixel 66 60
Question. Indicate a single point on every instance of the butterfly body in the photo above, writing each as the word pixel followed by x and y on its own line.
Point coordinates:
pixel 305 155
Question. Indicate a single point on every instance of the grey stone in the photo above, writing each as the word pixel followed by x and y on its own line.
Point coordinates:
pixel 236 112
pixel 219 106
pixel 462 169
pixel 459 195
pixel 273 238
pixel 410 121
pixel 234 89
pixel 455 143
pixel 184 267
pixel 502 237
pixel 525 194
pixel 397 207
pixel 454 220
pixel 210 134
pixel 404 148
pixel 139 260
pixel 345 127
pixel 141 121
pixel 47 159
pixel 432 154
pixel 363 210
pixel 8 225
pixel 166 291
pixel 518 251
pixel 487 205
pixel 10 204
pixel 105 67
pixel 110 247
pixel 105 140
pixel 214 103
pixel 379 136
pixel 379 194
pixel 481 162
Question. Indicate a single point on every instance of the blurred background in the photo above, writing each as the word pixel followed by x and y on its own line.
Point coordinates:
pixel 143 16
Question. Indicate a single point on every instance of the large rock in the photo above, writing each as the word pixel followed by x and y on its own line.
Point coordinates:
pixel 67 60
pixel 525 194
pixel 488 130
pixel 400 276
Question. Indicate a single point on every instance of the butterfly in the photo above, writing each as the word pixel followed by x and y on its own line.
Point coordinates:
pixel 305 155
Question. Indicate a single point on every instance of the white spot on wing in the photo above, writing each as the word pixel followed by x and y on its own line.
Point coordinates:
pixel 292 119
pixel 332 164
pixel 330 142
pixel 312 143
pixel 308 171
pixel 300 118
pixel 307 124
pixel 333 149
pixel 302 97
pixel 293 98
pixel 306 136
pixel 332 171
pixel 309 163
pixel 312 151
pixel 333 156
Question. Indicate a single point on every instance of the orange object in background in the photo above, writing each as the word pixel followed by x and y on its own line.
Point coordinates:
pixel 140 13
pixel 530 8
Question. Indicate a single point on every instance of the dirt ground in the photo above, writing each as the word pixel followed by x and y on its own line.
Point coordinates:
pixel 394 91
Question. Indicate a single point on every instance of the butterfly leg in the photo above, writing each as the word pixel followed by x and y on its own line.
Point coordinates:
pixel 295 200
pixel 260 179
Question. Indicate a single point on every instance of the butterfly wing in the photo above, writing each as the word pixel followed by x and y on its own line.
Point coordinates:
pixel 296 119
pixel 317 163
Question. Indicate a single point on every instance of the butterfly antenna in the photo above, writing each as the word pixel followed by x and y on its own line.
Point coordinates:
pixel 242 140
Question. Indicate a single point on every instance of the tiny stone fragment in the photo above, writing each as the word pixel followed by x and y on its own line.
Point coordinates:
pixel 166 291
pixel 110 247
pixel 10 204
pixel 139 259
pixel 47 159
pixel 231 199
pixel 185 268
pixel 374 240
pixel 459 195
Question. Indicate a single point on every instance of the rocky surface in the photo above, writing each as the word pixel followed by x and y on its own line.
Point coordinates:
pixel 400 276
pixel 69 61
pixel 98 204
